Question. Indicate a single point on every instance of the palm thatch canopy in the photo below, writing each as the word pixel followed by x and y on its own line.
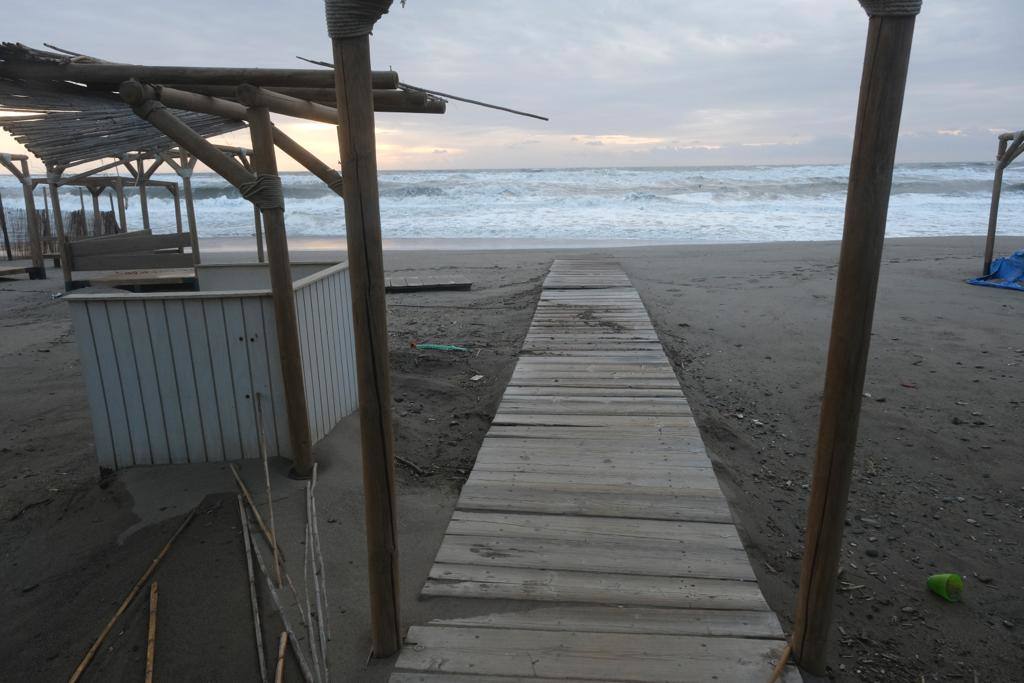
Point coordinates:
pixel 65 123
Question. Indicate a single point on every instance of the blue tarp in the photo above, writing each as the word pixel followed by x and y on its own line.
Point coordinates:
pixel 1006 272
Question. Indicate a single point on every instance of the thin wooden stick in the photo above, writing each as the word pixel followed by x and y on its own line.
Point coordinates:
pixel 80 669
pixel 151 639
pixel 257 625
pixel 780 666
pixel 262 439
pixel 311 541
pixel 282 648
pixel 320 555
pixel 299 655
pixel 314 640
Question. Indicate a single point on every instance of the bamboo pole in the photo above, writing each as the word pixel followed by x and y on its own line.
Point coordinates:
pixel 81 203
pixel 282 648
pixel 122 209
pixel 80 669
pixel 151 638
pixel 112 74
pixel 265 163
pixel 366 269
pixel 257 220
pixel 261 438
pixel 177 210
pixel 884 78
pixel 253 601
pixel 35 239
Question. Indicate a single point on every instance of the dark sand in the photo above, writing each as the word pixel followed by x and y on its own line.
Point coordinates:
pixel 938 484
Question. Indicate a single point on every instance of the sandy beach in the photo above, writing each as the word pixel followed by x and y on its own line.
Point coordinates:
pixel 938 483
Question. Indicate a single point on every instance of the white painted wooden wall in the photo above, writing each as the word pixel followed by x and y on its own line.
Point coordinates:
pixel 171 377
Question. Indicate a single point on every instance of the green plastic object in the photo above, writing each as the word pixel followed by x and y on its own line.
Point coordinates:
pixel 441 347
pixel 947 586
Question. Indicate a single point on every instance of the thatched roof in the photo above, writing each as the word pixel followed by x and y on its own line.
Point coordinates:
pixel 65 123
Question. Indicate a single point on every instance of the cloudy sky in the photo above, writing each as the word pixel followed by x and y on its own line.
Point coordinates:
pixel 625 83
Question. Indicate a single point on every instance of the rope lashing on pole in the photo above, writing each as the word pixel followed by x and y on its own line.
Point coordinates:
pixel 891 8
pixel 353 18
pixel 266 191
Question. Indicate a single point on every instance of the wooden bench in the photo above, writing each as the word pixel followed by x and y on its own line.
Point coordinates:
pixel 120 257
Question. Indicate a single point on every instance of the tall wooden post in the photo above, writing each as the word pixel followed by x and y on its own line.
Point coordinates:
pixel 867 202
pixel 265 164
pixel 177 209
pixel 143 197
pixel 185 171
pixel 81 204
pixel 1003 158
pixel 3 228
pixel 97 215
pixel 257 221
pixel 53 174
pixel 356 139
pixel 35 238
pixel 122 211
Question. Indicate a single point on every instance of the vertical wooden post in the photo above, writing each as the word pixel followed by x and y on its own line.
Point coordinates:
pixel 185 171
pixel 993 211
pixel 143 198
pixel 258 223
pixel 53 174
pixel 177 209
pixel 265 163
pixel 366 268
pixel 867 202
pixel 3 227
pixel 81 204
pixel 35 239
pixel 121 205
pixel 97 215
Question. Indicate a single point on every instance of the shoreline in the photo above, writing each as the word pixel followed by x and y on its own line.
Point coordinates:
pixel 336 243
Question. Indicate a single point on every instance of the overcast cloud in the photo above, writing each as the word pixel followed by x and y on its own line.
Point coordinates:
pixel 624 82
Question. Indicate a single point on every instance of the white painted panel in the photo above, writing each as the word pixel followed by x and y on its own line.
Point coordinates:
pixel 149 383
pixel 284 446
pixel 206 391
pixel 216 335
pixel 183 362
pixel 167 380
pixel 259 366
pixel 241 372
pixel 128 374
pixel 102 436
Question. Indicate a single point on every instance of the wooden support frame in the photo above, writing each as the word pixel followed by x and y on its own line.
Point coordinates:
pixel 137 95
pixel 53 174
pixel 356 140
pixel 183 166
pixel 21 172
pixel 3 228
pixel 883 82
pixel 1007 152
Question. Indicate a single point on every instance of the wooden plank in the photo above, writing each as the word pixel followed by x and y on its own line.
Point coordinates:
pixel 682 506
pixel 595 480
pixel 280 411
pixel 706 560
pixel 260 368
pixel 146 362
pixel 620 619
pixel 100 411
pixel 241 376
pixel 127 243
pixel 132 261
pixel 223 379
pixel 600 656
pixel 161 342
pixel 131 389
pixel 202 370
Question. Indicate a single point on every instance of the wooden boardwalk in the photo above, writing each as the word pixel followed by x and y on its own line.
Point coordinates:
pixel 594 510
pixel 426 283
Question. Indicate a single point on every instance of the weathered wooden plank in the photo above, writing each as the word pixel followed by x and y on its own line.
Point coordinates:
pixel 167 381
pixel 98 396
pixel 131 390
pixel 206 390
pixel 223 379
pixel 142 344
pixel 260 369
pixel 706 506
pixel 183 362
pixel 597 480
pixel 601 656
pixel 517 583
pixel 241 375
pixel 620 619
pixel 707 560
pixel 132 261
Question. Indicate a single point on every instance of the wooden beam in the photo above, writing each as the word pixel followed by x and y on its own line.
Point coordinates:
pixel 32 218
pixel 874 147
pixel 308 160
pixel 53 174
pixel 122 212
pixel 366 269
pixel 97 214
pixel 184 171
pixel 401 101
pixel 3 228
pixel 140 182
pixel 993 210
pixel 113 74
pixel 265 163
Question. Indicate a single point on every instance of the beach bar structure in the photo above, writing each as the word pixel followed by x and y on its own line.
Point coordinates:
pixel 1011 146
pixel 173 377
